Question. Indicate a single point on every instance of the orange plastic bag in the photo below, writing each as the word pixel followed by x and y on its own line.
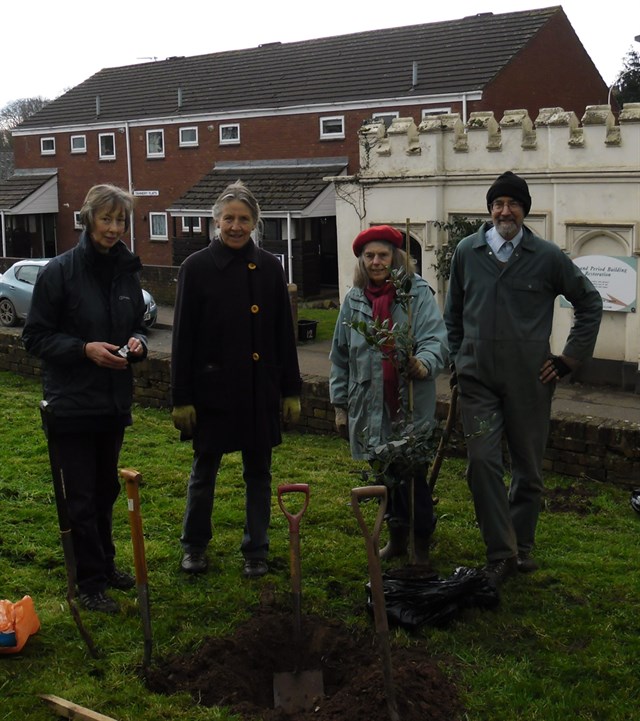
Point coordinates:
pixel 18 621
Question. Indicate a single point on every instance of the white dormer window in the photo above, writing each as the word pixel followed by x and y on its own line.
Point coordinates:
pixel 107 146
pixel 155 143
pixel 191 225
pixel 230 134
pixel 188 137
pixel 78 143
pixel 332 127
pixel 158 226
pixel 47 146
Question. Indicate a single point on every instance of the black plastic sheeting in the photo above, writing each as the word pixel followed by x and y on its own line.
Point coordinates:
pixel 413 602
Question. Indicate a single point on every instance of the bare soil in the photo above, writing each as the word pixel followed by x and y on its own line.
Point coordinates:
pixel 237 672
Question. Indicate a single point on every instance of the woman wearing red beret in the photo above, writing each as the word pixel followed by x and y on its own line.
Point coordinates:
pixel 366 389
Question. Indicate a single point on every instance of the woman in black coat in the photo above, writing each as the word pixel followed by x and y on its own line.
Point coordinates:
pixel 234 361
pixel 87 303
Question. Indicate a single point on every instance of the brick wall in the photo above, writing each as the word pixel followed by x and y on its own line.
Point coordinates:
pixel 578 446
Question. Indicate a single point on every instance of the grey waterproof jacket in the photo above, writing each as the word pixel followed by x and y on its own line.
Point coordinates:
pixel 356 381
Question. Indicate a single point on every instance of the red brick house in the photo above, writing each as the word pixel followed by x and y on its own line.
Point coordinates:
pixel 170 130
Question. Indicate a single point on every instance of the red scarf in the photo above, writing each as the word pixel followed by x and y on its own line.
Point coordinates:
pixel 381 297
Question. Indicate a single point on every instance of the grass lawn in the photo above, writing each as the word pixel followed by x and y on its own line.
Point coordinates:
pixel 326 318
pixel 563 644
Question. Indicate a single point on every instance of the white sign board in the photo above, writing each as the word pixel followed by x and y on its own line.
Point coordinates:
pixel 146 192
pixel 615 278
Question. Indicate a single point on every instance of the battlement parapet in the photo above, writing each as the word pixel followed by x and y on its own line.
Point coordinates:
pixel 557 140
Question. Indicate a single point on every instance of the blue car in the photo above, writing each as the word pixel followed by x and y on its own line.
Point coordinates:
pixel 16 288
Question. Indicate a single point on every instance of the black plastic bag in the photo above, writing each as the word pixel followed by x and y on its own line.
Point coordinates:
pixel 412 602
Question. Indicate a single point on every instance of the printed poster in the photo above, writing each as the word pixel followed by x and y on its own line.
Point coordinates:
pixel 615 278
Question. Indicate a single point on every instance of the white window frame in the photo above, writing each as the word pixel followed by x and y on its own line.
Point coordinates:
pixel 155 153
pixel 229 141
pixel 331 134
pixel 77 224
pixel 79 149
pixel 390 114
pixel 51 142
pixel 163 235
pixel 105 156
pixel 188 143
pixel 197 225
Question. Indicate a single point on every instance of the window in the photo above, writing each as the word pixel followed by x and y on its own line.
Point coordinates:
pixel 47 146
pixel 107 146
pixel 332 127
pixel 78 143
pixel 28 273
pixel 230 134
pixel 271 229
pixel 434 111
pixel 386 118
pixel 158 226
pixel 77 223
pixel 188 137
pixel 155 143
pixel 191 225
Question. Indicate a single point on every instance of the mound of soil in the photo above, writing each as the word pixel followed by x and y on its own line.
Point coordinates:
pixel 237 672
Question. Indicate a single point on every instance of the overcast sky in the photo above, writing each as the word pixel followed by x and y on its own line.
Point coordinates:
pixel 49 46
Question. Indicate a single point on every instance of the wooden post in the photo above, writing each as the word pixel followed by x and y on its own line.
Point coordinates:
pixel 70 710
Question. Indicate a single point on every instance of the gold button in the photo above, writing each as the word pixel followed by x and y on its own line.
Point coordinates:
pixel 252 266
pixel 255 309
pixel 255 356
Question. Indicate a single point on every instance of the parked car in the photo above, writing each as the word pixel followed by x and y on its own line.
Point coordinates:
pixel 16 288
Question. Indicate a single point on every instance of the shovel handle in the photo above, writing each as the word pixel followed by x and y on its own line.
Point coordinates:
pixel 444 438
pixel 133 480
pixel 371 543
pixel 377 589
pixel 293 518
pixel 365 493
pixel 294 552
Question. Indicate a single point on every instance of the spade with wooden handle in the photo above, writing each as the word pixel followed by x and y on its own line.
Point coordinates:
pixel 133 481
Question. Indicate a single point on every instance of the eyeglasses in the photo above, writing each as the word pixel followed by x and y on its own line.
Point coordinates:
pixel 511 204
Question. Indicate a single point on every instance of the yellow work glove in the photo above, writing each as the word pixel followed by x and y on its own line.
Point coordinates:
pixel 342 423
pixel 291 409
pixel 184 419
pixel 416 369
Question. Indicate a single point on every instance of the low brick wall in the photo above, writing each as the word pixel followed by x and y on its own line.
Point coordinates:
pixel 578 446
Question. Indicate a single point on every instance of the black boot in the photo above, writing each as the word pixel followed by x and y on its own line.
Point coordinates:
pixel 397 545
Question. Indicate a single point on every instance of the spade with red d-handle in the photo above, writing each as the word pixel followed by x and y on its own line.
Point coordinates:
pixel 297 690
pixel 371 539
pixel 133 481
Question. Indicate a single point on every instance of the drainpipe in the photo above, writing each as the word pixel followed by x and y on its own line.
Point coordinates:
pixel 289 248
pixel 4 239
pixel 129 175
pixel 464 108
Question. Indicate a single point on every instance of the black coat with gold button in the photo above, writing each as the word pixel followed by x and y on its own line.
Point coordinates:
pixel 234 348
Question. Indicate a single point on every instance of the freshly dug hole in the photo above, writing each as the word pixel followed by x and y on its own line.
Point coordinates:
pixel 237 672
